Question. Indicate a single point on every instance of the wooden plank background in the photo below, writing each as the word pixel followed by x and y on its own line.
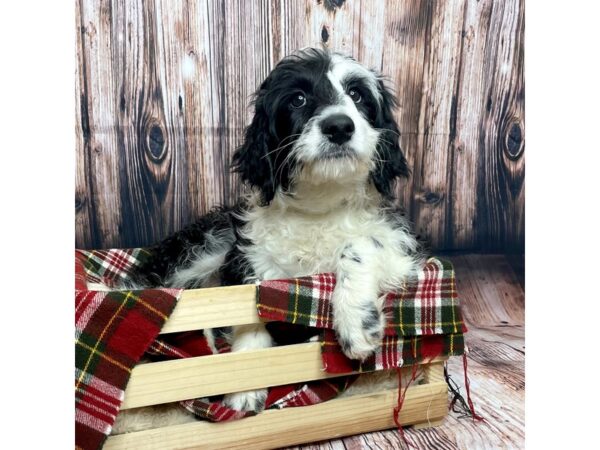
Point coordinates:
pixel 163 86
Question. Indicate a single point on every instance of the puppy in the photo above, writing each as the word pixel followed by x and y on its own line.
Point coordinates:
pixel 321 158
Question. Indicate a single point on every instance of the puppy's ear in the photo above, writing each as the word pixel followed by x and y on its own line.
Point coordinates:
pixel 391 162
pixel 252 159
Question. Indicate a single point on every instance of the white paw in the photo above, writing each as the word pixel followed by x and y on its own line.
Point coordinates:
pixel 246 401
pixel 359 329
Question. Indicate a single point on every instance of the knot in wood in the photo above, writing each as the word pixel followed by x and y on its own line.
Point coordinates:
pixel 324 34
pixel 332 5
pixel 430 198
pixel 513 141
pixel 79 203
pixel 156 145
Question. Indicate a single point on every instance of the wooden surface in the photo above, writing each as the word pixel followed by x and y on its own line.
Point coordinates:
pixel 492 295
pixel 424 404
pixel 162 89
pixel 182 379
pixel 198 309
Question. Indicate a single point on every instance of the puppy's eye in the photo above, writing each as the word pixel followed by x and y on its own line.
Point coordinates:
pixel 298 100
pixel 355 95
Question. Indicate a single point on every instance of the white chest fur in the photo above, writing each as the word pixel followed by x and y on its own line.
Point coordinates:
pixel 291 242
pixel 299 244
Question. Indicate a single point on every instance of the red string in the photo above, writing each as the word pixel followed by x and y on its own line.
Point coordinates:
pixel 402 395
pixel 469 401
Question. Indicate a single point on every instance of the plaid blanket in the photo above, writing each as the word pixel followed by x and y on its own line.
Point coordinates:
pixel 425 322
pixel 112 332
pixel 424 319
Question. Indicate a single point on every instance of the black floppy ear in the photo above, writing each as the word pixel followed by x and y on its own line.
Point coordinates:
pixel 252 159
pixel 391 162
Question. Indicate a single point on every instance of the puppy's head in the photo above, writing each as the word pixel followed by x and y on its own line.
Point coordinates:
pixel 321 117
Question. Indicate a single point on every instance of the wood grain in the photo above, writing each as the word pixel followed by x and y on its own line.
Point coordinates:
pixel 198 309
pixel 274 428
pixel 163 89
pixel 98 158
pixel 433 173
pixel 169 381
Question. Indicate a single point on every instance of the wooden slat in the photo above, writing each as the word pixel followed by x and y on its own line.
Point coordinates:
pixel 198 309
pixel 434 373
pixel 169 381
pixel 275 428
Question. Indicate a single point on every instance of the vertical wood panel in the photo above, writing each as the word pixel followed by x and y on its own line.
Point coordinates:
pixel 247 62
pixel 174 67
pixel 369 30
pixel 500 213
pixel 85 228
pixel 145 149
pixel 407 26
pixel 201 102
pixel 98 122
pixel 163 89
pixel 433 172
pixel 470 106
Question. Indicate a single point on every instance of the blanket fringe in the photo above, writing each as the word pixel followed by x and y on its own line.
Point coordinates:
pixel 458 403
pixel 401 395
pixel 467 384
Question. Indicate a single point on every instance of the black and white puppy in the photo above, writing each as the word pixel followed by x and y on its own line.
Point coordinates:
pixel 321 157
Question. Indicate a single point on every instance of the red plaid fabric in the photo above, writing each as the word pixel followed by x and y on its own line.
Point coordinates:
pixel 394 351
pixel 424 318
pixel 308 393
pixel 304 301
pixel 215 411
pixel 112 266
pixel 112 332
pixel 80 275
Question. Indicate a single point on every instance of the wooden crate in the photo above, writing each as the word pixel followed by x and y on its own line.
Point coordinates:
pixel 169 381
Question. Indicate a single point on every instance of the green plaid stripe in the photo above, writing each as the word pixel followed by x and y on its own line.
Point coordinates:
pixel 112 266
pixel 428 305
pixel 112 331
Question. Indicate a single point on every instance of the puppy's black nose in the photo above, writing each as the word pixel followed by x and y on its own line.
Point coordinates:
pixel 338 128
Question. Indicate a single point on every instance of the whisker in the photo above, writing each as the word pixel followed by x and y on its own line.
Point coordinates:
pixel 387 130
pixel 285 161
pixel 278 148
pixel 283 146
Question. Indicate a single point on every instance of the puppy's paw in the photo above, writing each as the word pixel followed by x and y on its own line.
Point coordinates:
pixel 246 401
pixel 359 329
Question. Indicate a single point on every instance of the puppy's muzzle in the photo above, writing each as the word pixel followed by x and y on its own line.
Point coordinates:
pixel 338 128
